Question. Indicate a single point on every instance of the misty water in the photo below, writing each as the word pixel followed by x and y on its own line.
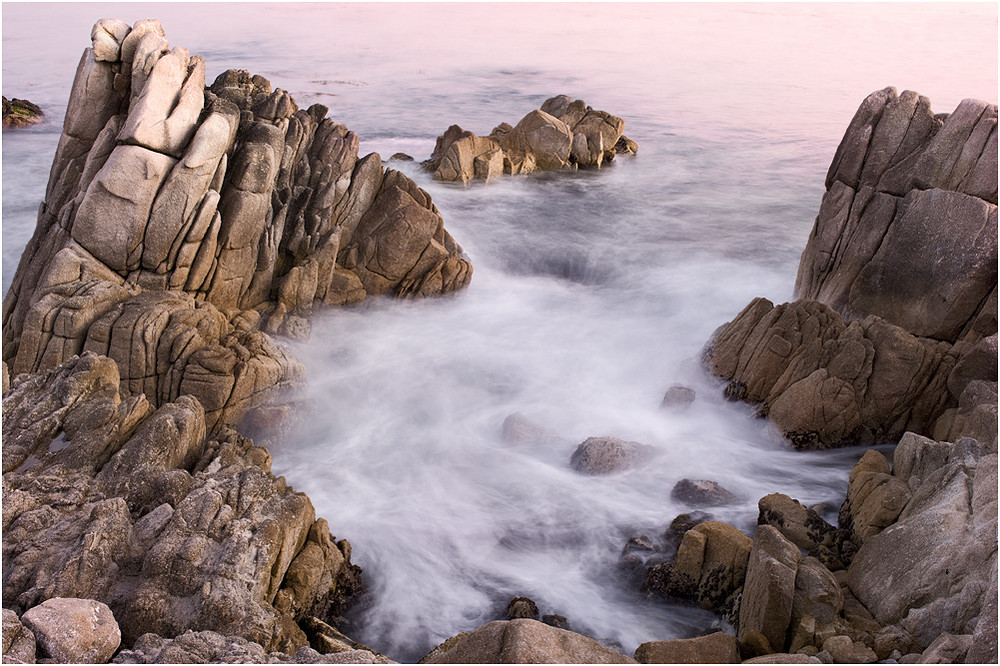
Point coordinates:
pixel 593 292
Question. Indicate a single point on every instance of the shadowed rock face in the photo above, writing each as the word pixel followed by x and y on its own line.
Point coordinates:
pixel 897 325
pixel 106 497
pixel 179 219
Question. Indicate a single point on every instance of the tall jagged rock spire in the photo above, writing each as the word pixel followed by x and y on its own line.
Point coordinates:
pixel 181 221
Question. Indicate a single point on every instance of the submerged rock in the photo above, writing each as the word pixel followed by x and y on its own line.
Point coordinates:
pixel 607 455
pixel 563 134
pixel 677 398
pixel 701 493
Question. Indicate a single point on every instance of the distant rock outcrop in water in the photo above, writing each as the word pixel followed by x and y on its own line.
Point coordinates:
pixel 563 134
pixel 898 327
pixel 20 113
pixel 180 220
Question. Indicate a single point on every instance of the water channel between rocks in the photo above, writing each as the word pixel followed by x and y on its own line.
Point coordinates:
pixel 593 292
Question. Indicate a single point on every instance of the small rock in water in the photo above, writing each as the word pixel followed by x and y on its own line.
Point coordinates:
pixel 701 493
pixel 400 157
pixel 677 398
pixel 522 607
pixel 605 455
pixel 518 429
pixel 683 523
pixel 20 113
pixel 557 621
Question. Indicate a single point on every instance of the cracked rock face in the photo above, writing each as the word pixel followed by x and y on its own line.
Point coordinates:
pixel 897 322
pixel 179 218
pixel 107 498
pixel 562 135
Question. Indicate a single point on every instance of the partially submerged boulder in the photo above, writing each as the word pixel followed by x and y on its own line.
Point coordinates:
pixel 20 113
pixel 607 455
pixel 562 135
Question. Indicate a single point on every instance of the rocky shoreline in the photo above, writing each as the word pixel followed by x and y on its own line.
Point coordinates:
pixel 184 225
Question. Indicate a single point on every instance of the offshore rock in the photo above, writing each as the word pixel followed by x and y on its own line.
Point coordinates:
pixel 563 134
pixel 20 113
pixel 180 220
pixel 74 631
pixel 106 497
pixel 523 641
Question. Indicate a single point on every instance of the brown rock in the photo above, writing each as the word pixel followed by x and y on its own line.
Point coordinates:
pixel 80 631
pixel 769 591
pixel 701 493
pixel 717 648
pixel 607 455
pixel 522 642
pixel 18 641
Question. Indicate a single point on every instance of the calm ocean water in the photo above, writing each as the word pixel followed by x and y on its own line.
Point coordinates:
pixel 592 294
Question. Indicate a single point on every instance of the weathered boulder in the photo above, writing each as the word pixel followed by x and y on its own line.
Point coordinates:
pixel 717 648
pixel 563 134
pixel 843 650
pixel 606 455
pixel 824 382
pixel 20 113
pixel 18 641
pixel 710 566
pixel 81 631
pixel 677 398
pixel 522 607
pixel 179 220
pixel 875 497
pixel 523 642
pixel 702 492
pixel 801 525
pixel 108 498
pixel 932 571
pixel 905 183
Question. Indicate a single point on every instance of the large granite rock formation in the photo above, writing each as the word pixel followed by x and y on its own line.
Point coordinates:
pixel 107 497
pixel 179 219
pixel 562 135
pixel 897 325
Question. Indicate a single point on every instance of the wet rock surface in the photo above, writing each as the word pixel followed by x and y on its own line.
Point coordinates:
pixel 562 135
pixel 20 113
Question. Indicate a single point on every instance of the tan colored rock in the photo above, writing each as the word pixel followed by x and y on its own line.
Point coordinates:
pixel 845 651
pixel 817 593
pixel 607 455
pixel 547 139
pixel 783 658
pixel 18 641
pixel 522 642
pixel 81 631
pixel 107 36
pixel 875 498
pixel 717 648
pixel 797 523
pixel 711 564
pixel 769 591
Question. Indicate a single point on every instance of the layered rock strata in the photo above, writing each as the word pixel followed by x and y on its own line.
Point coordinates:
pixel 109 498
pixel 179 221
pixel 564 134
pixel 897 324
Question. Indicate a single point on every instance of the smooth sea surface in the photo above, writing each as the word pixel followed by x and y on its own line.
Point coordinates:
pixel 593 292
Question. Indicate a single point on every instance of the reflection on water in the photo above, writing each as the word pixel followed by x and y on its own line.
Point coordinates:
pixel 592 294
